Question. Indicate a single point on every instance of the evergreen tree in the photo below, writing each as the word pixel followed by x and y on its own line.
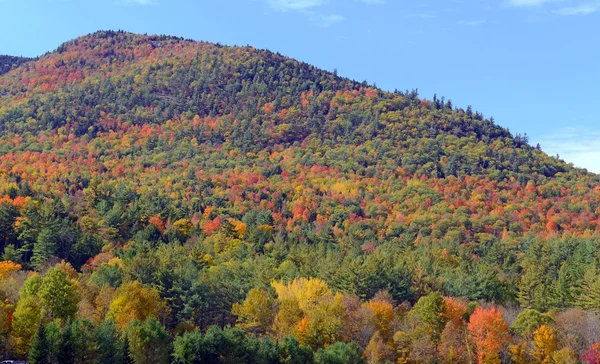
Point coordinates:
pixel 109 345
pixel 44 247
pixel 40 348
pixel 125 352
pixel 66 345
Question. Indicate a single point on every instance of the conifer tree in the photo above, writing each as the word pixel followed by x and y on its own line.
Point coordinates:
pixel 40 348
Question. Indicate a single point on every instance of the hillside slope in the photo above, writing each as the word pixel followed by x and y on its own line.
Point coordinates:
pixel 165 154
pixel 9 62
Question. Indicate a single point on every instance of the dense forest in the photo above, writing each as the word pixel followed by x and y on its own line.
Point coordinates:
pixel 9 62
pixel 166 200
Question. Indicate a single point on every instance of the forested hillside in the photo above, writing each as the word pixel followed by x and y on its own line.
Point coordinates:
pixel 166 200
pixel 9 62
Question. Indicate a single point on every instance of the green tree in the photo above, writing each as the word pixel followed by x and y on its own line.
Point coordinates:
pixel 66 345
pixel 109 343
pixel 40 348
pixel 44 247
pixel 340 353
pixel 431 310
pixel 589 297
pixel 292 352
pixel 149 342
pixel 528 321
pixel 26 320
pixel 58 295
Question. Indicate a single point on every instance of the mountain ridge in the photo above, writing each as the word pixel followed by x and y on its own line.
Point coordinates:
pixel 170 189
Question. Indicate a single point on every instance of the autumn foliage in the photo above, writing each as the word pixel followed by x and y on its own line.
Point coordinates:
pixel 222 203
pixel 489 333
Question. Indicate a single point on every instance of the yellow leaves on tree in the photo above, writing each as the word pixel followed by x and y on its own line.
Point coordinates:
pixel 26 319
pixel 309 311
pixel 238 228
pixel 287 318
pixel 323 325
pixel 489 333
pixel 306 291
pixel 102 302
pixel 183 228
pixel 379 350
pixel 134 301
pixel 544 343
pixel 256 313
pixel 384 317
pixel 7 268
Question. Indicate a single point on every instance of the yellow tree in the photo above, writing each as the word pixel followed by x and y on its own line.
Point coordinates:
pixel 256 313
pixel 544 344
pixel 384 317
pixel 26 320
pixel 7 268
pixel 323 325
pixel 379 351
pixel 306 291
pixel 309 311
pixel 133 301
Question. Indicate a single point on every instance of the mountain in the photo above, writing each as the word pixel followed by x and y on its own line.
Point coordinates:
pixel 201 174
pixel 9 62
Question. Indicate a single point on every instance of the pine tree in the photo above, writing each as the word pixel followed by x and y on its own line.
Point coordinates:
pixel 66 347
pixel 44 247
pixel 108 343
pixel 126 352
pixel 40 350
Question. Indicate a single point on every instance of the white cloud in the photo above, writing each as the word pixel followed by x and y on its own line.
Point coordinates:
pixel 578 10
pixel 525 3
pixel 421 15
pixel 327 20
pixel 473 23
pixel 579 146
pixel 138 2
pixel 309 9
pixel 372 2
pixel 287 5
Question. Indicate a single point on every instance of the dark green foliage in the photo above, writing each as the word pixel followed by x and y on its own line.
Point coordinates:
pixel 109 343
pixel 528 321
pixel 292 352
pixel 40 348
pixel 9 62
pixel 340 353
pixel 228 345
pixel 66 345
pixel 149 342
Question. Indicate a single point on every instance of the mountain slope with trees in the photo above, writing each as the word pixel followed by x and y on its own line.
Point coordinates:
pixel 172 189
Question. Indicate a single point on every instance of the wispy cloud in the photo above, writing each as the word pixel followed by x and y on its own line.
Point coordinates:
pixel 559 7
pixel 372 2
pixel 290 5
pixel 309 8
pixel 421 15
pixel 584 9
pixel 526 3
pixel 325 20
pixel 579 146
pixel 472 23
pixel 138 2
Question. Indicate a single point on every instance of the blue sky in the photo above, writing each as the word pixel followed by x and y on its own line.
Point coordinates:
pixel 531 64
